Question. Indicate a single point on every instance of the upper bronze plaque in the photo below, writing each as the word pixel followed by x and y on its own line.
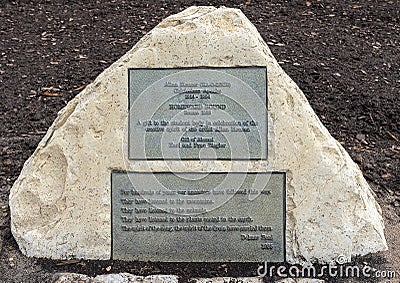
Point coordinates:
pixel 198 113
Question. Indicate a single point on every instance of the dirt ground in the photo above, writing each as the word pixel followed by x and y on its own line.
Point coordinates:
pixel 344 55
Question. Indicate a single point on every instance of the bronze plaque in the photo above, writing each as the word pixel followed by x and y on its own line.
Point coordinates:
pixel 198 113
pixel 198 217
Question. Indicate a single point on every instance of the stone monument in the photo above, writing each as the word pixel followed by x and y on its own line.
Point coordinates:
pixel 194 146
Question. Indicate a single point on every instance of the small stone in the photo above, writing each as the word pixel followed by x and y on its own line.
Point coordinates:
pixel 358 159
pixel 108 268
pixel 300 280
pixel 114 278
pixel 228 279
pixel 360 137
pixel 71 278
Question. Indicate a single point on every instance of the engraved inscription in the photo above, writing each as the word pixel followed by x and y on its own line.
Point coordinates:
pixel 212 113
pixel 203 212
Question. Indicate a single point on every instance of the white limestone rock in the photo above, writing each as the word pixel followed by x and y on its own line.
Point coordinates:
pixel 114 278
pixel 60 204
pixel 228 280
pixel 300 280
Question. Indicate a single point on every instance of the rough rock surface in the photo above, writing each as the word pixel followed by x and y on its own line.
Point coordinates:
pixel 60 204
pixel 300 280
pixel 228 280
pixel 114 278
pixel 129 278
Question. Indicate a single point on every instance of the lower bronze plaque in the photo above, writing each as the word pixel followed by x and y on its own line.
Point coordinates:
pixel 198 217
